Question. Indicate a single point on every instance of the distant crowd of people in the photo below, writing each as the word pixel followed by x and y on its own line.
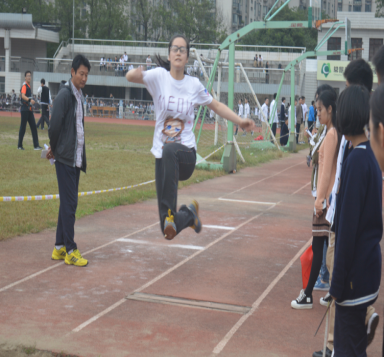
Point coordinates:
pixel 121 65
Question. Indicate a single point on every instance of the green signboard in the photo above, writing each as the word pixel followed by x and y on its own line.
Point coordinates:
pixel 333 70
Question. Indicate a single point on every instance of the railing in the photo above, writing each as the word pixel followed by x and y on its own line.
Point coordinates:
pixel 206 46
pixel 21 64
pixel 116 69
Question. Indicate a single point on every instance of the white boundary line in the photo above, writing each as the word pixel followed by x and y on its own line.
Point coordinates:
pixel 143 242
pixel 259 181
pixel 218 227
pixel 62 263
pixel 257 303
pixel 165 273
pixel 309 183
pixel 248 201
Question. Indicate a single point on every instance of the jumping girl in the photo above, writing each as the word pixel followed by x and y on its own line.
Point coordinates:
pixel 175 95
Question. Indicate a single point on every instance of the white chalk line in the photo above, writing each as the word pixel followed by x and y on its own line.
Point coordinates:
pixel 143 242
pixel 301 188
pixel 259 181
pixel 165 273
pixel 220 346
pixel 248 201
pixel 62 262
pixel 218 227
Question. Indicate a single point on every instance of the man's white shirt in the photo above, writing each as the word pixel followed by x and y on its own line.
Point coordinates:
pixel 264 109
pixel 125 58
pixel 247 111
pixel 275 119
pixel 241 110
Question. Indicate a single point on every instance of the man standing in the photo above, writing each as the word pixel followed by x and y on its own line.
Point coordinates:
pixel 247 114
pixel 275 118
pixel 299 119
pixel 284 131
pixel 66 134
pixel 45 101
pixel 305 113
pixel 148 61
pixel 264 116
pixel 27 114
pixel 240 114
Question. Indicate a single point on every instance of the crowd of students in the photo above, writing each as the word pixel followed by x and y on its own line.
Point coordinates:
pixel 347 153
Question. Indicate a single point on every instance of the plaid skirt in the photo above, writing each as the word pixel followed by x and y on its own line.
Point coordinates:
pixel 320 225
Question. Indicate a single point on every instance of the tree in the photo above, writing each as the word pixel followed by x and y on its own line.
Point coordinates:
pixel 196 19
pixel 41 10
pixel 64 14
pixel 284 37
pixel 379 8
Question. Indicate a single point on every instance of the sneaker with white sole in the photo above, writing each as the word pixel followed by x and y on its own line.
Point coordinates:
pixel 302 302
pixel 325 300
pixel 371 328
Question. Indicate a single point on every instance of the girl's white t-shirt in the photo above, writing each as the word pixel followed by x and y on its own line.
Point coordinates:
pixel 175 99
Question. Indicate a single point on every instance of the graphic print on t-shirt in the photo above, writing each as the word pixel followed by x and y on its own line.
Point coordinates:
pixel 172 130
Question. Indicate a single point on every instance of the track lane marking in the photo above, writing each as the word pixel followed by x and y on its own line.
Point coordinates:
pixel 62 263
pixel 165 273
pixel 248 201
pixel 221 345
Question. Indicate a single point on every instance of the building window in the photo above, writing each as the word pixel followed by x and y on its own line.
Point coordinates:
pixel 356 8
pixel 374 45
pixel 350 8
pixel 329 8
pixel 2 83
pixel 334 43
pixel 368 6
pixel 340 6
pixel 356 43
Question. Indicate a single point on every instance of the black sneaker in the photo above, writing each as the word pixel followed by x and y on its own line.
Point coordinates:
pixel 20 148
pixel 328 353
pixel 38 148
pixel 302 302
pixel 371 328
pixel 325 300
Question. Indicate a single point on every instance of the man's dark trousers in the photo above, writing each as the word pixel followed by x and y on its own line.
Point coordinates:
pixel 350 336
pixel 44 116
pixel 27 116
pixel 297 132
pixel 68 180
pixel 274 126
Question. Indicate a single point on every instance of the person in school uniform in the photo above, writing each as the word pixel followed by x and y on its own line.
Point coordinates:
pixel 247 114
pixel 275 118
pixel 359 228
pixel 240 114
pixel 284 131
pixel 264 116
pixel 45 101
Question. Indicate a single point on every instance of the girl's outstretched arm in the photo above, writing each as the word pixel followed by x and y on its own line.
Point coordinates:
pixel 223 111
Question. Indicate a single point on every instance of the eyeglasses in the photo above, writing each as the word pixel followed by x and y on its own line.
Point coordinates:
pixel 367 132
pixel 175 49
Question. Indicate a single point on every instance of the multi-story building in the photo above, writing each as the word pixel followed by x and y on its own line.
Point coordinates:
pixel 238 13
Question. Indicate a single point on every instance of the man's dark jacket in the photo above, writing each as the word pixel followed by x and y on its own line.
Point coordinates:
pixel 62 128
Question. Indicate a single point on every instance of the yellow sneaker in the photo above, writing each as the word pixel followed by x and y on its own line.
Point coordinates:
pixel 76 259
pixel 59 254
pixel 169 226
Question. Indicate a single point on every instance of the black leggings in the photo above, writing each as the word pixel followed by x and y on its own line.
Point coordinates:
pixel 317 248
pixel 178 163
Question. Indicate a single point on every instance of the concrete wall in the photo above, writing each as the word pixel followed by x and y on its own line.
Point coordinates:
pixel 28 48
pixel 13 80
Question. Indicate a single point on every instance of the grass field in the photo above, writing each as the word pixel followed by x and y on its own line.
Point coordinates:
pixel 117 155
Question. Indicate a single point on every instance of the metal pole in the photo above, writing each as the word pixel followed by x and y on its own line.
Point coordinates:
pixel 292 136
pixel 231 80
pixel 218 98
pixel 73 29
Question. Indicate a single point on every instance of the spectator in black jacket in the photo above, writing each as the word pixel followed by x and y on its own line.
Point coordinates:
pixel 359 226
pixel 284 131
pixel 66 134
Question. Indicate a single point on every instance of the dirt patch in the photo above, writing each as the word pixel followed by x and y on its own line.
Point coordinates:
pixel 7 350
